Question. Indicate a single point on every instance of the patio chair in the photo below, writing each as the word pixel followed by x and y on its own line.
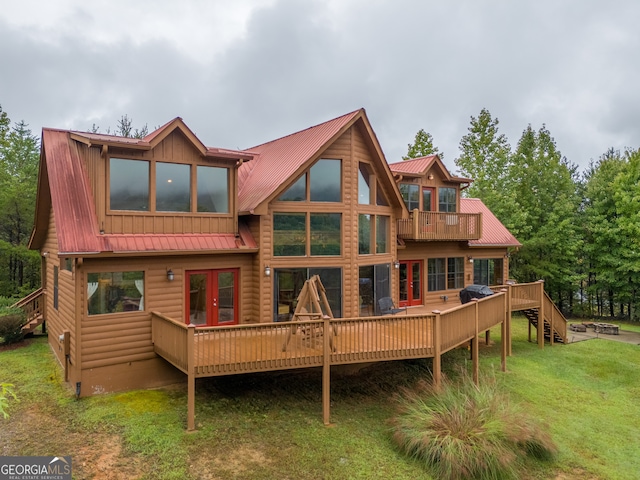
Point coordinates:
pixel 388 308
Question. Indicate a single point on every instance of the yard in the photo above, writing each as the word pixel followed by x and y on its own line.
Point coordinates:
pixel 270 425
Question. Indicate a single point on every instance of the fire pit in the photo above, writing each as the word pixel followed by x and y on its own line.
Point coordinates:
pixel 606 328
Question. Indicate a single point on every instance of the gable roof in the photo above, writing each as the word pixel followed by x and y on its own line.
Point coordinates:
pixel 494 233
pixel 65 189
pixel 419 166
pixel 280 161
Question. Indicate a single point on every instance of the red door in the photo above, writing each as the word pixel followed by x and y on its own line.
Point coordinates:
pixel 212 297
pixel 410 283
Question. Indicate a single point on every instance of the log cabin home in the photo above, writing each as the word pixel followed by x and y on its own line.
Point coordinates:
pixel 165 259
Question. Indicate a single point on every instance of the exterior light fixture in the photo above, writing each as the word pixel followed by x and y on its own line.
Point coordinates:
pixel 470 259
pixel 267 271
pixel 396 264
pixel 430 177
pixel 170 275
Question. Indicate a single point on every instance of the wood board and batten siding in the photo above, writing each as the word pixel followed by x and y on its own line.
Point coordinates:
pixel 117 349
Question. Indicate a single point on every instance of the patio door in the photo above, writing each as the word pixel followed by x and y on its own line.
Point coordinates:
pixel 410 283
pixel 212 297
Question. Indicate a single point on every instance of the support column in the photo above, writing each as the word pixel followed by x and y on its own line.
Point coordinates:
pixel 508 320
pixel 541 316
pixel 475 344
pixel 326 372
pixel 504 331
pixel 191 379
pixel 437 348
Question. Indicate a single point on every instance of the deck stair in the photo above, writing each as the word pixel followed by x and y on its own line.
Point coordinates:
pixel 559 327
pixel 32 305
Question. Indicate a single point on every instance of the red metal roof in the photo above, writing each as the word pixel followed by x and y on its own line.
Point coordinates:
pixel 415 166
pixel 63 176
pixel 279 160
pixel 494 233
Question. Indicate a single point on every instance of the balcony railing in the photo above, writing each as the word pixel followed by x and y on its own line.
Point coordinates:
pixel 440 226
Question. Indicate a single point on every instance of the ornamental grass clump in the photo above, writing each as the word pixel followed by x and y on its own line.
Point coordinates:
pixel 464 431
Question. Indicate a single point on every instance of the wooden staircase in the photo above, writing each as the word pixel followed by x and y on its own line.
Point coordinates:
pixel 552 316
pixel 33 305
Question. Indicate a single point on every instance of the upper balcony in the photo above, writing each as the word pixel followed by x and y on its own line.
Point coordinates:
pixel 440 226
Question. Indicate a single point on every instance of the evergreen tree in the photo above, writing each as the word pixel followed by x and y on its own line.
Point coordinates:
pixel 421 146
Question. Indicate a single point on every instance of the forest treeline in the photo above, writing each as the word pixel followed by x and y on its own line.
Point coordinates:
pixel 580 231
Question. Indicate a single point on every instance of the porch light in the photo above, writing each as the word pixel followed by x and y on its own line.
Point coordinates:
pixel 470 259
pixel 430 177
pixel 267 271
pixel 170 275
pixel 396 264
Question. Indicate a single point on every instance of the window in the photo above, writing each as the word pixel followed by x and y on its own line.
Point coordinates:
pixel 289 282
pixel 445 273
pixel 325 233
pixel 173 187
pixel 436 274
pixel 115 292
pixel 322 183
pixel 55 287
pixel 364 192
pixel 129 185
pixel 67 264
pixel 455 272
pixel 488 271
pixel 213 189
pixel 364 234
pixel 411 195
pixel 447 199
pixel 382 234
pixel 290 234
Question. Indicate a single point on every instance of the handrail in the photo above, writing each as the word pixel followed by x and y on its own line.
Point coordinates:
pixel 440 226
pixel 32 305
pixel 555 317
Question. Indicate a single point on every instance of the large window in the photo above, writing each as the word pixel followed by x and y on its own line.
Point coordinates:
pixel 290 234
pixel 115 292
pixel 447 199
pixel 213 189
pixel 322 183
pixel 427 199
pixel 289 282
pixel 129 187
pixel 129 184
pixel 411 195
pixel 364 191
pixel 173 187
pixel 488 271
pixel 368 244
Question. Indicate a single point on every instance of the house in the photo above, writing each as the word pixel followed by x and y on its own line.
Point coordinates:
pixel 162 256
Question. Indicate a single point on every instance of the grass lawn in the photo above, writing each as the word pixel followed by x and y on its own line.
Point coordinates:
pixel 270 425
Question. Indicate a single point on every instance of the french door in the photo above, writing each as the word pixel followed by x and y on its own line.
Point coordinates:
pixel 410 283
pixel 212 297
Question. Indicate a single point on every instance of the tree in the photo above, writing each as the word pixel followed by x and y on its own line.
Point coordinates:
pixel 125 129
pixel 422 146
pixel 544 187
pixel 19 156
pixel 485 156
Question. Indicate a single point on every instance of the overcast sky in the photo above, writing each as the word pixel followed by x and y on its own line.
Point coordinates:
pixel 243 72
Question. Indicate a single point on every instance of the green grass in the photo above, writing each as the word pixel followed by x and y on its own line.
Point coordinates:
pixel 270 425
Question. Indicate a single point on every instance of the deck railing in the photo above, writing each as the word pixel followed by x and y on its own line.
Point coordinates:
pixel 554 316
pixel 440 226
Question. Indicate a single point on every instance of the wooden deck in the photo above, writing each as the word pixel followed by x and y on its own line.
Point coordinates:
pixel 420 332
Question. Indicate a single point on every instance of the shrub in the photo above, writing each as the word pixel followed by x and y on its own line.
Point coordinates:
pixel 11 322
pixel 467 431
pixel 6 391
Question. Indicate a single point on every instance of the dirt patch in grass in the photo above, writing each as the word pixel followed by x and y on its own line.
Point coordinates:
pixel 235 463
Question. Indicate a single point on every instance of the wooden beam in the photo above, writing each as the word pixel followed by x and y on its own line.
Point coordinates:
pixel 326 373
pixel 191 381
pixel 541 316
pixel 437 368
pixel 475 344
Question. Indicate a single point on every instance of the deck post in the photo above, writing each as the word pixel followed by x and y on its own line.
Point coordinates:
pixel 508 320
pixel 503 331
pixel 437 347
pixel 416 223
pixel 475 344
pixel 326 372
pixel 551 329
pixel 191 378
pixel 541 316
